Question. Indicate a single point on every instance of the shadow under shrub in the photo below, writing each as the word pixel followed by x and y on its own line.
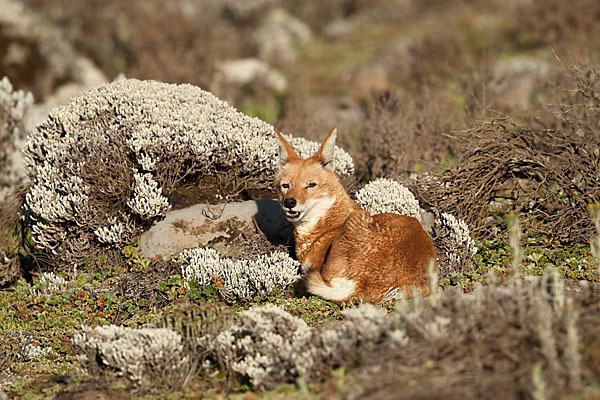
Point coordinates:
pixel 547 170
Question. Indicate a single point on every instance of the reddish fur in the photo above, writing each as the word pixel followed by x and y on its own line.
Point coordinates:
pixel 376 252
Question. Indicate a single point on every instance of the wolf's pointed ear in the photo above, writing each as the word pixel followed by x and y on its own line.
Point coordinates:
pixel 286 152
pixel 326 153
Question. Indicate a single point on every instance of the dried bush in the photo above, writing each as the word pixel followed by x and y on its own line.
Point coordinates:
pixel 14 105
pixel 401 134
pixel 198 320
pixel 239 279
pixel 547 170
pixel 555 22
pixel 489 344
pixel 453 243
pixel 103 166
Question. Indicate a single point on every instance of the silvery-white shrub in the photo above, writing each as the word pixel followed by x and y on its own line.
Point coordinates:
pixel 50 282
pixel 385 195
pixel 134 353
pixel 268 346
pixel 362 329
pixel 102 165
pixel 453 243
pixel 14 105
pixel 239 279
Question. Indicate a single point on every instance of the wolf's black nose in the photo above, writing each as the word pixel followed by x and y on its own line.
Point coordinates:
pixel 289 203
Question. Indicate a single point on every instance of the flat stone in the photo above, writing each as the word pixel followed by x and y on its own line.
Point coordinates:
pixel 219 225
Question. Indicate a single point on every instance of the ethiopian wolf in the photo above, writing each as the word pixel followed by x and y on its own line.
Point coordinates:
pixel 344 251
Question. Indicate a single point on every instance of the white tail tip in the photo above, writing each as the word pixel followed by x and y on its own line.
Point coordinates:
pixel 338 290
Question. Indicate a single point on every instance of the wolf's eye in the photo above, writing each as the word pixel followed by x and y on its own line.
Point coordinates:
pixel 285 185
pixel 311 185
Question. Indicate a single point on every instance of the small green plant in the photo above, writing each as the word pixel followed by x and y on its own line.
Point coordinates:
pixel 135 261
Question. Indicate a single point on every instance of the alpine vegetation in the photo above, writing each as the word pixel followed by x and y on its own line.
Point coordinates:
pixel 135 353
pixel 239 279
pixel 50 282
pixel 147 201
pixel 102 167
pixel 453 242
pixel 268 346
pixel 14 105
pixel 385 195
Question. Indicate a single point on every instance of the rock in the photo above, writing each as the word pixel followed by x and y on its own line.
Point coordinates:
pixel 279 35
pixel 515 81
pixel 223 226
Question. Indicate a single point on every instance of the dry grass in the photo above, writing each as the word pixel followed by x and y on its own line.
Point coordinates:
pixel 488 345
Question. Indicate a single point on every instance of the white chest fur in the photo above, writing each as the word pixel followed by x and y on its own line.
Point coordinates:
pixel 316 209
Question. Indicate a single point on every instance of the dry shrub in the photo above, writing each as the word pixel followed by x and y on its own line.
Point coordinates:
pixel 10 268
pixel 437 57
pixel 552 22
pixel 547 170
pixel 141 284
pixel 403 133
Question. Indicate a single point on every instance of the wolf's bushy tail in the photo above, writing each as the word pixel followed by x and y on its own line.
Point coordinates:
pixel 339 289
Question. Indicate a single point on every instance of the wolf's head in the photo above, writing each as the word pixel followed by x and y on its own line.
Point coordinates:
pixel 307 188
